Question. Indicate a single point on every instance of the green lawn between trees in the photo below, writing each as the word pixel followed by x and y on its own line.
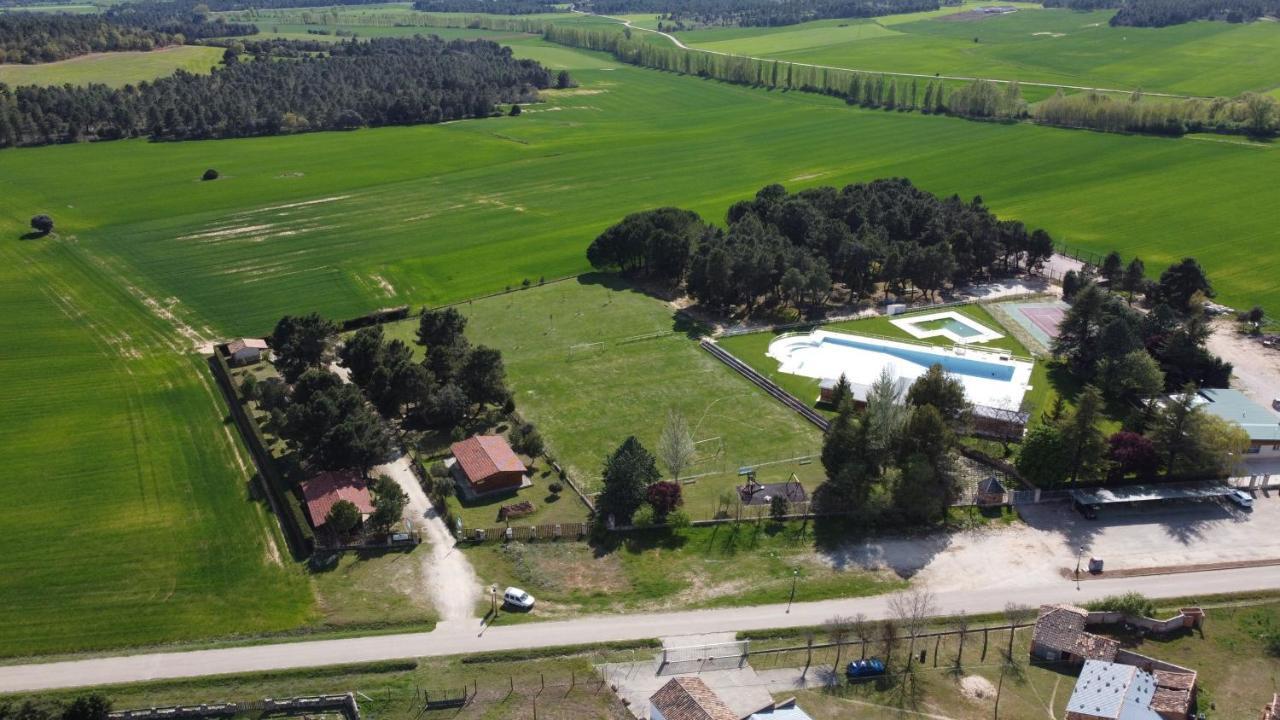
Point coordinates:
pixel 114 69
pixel 141 530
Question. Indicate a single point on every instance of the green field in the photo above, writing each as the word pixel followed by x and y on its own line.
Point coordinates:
pixel 132 521
pixel 1031 45
pixel 129 518
pixel 588 400
pixel 114 69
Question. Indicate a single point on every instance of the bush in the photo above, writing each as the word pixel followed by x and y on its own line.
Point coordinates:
pixel 209 174
pixel 438 469
pixel 1130 603
pixel 556 488
pixel 678 519
pixel 42 224
pixel 249 387
pixel 443 487
pixel 644 517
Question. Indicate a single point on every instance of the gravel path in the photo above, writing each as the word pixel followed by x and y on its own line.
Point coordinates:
pixel 1256 368
pixel 450 578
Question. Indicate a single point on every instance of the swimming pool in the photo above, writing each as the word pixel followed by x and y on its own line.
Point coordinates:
pixel 949 324
pixel 989 377
pixel 926 357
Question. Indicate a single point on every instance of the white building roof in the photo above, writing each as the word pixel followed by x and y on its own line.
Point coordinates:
pixel 1111 691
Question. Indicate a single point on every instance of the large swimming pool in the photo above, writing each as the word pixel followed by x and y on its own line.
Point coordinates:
pixel 989 378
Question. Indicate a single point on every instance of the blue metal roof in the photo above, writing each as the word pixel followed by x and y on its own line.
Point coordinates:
pixel 1236 407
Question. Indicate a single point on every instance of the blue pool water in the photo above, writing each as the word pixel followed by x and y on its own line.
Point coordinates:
pixel 950 363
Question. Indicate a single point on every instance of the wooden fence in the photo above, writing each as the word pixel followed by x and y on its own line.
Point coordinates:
pixel 548 532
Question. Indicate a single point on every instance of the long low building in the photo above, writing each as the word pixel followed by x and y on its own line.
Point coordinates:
pixel 1163 492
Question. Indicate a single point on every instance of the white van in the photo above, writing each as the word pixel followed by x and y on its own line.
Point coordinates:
pixel 515 597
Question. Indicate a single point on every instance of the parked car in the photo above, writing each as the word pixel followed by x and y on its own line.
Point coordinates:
pixel 1241 498
pixel 1090 512
pixel 517 598
pixel 859 669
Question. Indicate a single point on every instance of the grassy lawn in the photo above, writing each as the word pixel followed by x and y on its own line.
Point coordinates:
pixel 749 563
pixel 507 685
pixel 1031 45
pixel 373 590
pixel 549 507
pixel 115 68
pixel 642 362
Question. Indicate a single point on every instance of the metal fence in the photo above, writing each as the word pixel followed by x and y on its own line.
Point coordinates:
pixel 548 532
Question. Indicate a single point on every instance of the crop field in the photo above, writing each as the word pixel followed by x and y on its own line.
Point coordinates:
pixel 134 525
pixel 115 68
pixel 1031 45
pixel 341 222
pixel 591 361
pixel 129 519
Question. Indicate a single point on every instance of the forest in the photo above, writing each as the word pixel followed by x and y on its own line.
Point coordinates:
pixel 385 81
pixel 692 13
pixel 792 247
pixel 1162 13
pixel 46 37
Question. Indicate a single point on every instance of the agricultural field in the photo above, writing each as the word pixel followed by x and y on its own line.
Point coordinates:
pixel 341 222
pixel 114 69
pixel 131 519
pixel 1031 45
pixel 108 406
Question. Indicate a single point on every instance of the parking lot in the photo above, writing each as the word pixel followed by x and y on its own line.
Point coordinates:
pixel 1050 539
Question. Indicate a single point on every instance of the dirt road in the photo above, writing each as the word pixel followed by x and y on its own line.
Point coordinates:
pixel 450 578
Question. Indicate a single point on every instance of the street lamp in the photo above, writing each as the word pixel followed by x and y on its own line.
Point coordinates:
pixel 795 575
pixel 1079 555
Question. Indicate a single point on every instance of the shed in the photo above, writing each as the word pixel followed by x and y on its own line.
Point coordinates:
pixel 1059 636
pixel 324 490
pixel 990 492
pixel 1111 691
pixel 246 351
pixel 486 464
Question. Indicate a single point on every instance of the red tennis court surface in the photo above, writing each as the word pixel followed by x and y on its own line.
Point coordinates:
pixel 1045 318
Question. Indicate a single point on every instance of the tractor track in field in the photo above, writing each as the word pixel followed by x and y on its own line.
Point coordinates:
pixel 962 78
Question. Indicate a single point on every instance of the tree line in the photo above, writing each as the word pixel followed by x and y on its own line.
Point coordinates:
pixel 791 247
pixel 385 81
pixel 1152 363
pixel 38 37
pixel 1162 13
pixel 978 99
pixel 1249 113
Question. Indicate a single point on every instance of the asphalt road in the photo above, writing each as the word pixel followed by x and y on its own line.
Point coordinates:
pixel 461 637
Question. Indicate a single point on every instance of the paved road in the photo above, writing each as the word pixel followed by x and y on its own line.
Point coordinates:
pixel 452 638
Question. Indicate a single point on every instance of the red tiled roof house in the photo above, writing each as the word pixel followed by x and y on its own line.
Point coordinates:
pixel 688 698
pixel 487 464
pixel 324 490
pixel 1059 636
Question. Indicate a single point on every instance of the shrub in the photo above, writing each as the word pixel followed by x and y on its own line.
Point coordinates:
pixel 556 488
pixel 678 519
pixel 249 387
pixel 209 174
pixel 778 508
pixel 42 224
pixel 644 517
pixel 664 497
pixel 443 487
pixel 438 469
pixel 1130 603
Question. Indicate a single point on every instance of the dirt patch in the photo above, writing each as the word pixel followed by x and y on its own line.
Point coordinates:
pixel 1046 33
pixel 1255 368
pixel 574 92
pixel 971 16
pixel 569 566
pixel 976 687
